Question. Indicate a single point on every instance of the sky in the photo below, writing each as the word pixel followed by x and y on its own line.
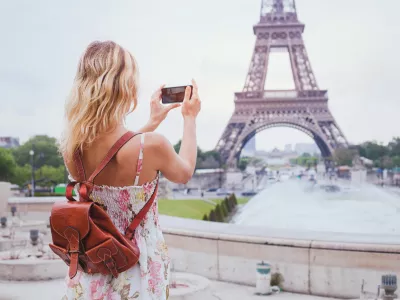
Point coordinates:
pixel 352 46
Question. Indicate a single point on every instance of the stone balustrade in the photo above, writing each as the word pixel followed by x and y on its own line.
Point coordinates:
pixel 314 263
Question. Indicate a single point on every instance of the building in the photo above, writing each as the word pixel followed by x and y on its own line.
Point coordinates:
pixel 202 179
pixel 310 148
pixel 288 148
pixel 276 157
pixel 250 148
pixel 9 142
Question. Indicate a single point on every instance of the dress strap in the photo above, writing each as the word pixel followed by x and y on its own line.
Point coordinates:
pixel 140 160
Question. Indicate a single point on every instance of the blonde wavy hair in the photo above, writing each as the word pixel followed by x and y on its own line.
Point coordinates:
pixel 103 93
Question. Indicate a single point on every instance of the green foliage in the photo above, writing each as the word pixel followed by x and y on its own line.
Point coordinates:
pixel 54 174
pixel 305 160
pixel 234 200
pixel 250 161
pixel 344 156
pixel 224 209
pixel 277 279
pixel 243 162
pixel 205 218
pixel 372 150
pixel 205 159
pixel 394 147
pixel 218 213
pixel 231 202
pixel 22 175
pixel 7 165
pixel 212 217
pixel 228 206
pixel 187 208
pixel 396 161
pixel 46 194
pixel 45 152
pixel 177 146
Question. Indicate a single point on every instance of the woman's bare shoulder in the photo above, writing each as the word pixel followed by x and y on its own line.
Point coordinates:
pixel 156 140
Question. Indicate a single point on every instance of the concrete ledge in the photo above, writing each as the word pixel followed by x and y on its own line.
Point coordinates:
pixel 7 244
pixel 310 262
pixel 32 269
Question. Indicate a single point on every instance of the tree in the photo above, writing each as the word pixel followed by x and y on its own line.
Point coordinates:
pixel 45 152
pixel 218 213
pixel 224 209
pixel 227 205
pixel 212 216
pixel 305 160
pixel 234 200
pixel 7 165
pixel 205 218
pixel 177 146
pixel 396 160
pixel 372 150
pixel 344 156
pixel 384 162
pixel 205 159
pixel 49 173
pixel 22 175
pixel 394 147
pixel 243 162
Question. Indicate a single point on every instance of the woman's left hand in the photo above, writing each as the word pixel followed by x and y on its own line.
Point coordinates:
pixel 158 111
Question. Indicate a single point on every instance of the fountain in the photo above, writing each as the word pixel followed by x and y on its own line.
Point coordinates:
pixel 186 286
pixel 293 205
pixel 29 258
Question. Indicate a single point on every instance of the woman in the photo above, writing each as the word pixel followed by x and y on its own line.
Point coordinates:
pixel 103 94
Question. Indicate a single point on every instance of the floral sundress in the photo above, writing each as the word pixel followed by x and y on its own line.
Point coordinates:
pixel 147 280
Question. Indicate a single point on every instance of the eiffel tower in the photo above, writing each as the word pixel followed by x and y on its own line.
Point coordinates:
pixel 304 108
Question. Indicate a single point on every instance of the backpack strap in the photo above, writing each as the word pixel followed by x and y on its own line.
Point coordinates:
pixel 130 231
pixel 86 186
pixel 111 153
pixel 77 158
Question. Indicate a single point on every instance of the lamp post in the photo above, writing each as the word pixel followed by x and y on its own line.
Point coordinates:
pixel 32 153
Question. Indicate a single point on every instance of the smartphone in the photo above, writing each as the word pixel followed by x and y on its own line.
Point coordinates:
pixel 174 94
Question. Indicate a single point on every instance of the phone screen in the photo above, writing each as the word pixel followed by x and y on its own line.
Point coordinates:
pixel 173 94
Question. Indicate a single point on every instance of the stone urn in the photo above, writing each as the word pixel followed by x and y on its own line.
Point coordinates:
pixel 34 236
pixel 13 210
pixel 389 285
pixel 3 222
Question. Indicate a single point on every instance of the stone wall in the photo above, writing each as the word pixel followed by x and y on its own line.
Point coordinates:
pixel 309 265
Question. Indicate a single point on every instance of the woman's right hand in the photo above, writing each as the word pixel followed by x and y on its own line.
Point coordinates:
pixel 191 106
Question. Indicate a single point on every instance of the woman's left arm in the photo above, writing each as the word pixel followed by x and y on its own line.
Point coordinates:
pixel 158 111
pixel 149 127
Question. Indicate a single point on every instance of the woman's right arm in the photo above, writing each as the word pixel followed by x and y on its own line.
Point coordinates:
pixel 178 168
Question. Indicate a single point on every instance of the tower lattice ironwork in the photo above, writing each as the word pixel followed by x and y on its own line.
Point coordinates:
pixel 304 108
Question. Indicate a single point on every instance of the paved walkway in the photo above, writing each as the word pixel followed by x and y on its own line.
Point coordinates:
pixel 52 290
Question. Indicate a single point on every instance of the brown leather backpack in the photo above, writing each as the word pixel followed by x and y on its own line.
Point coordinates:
pixel 83 233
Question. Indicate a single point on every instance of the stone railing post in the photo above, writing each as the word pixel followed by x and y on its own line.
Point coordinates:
pixel 5 193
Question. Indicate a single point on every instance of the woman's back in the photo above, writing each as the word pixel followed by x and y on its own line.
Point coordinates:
pixel 120 171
